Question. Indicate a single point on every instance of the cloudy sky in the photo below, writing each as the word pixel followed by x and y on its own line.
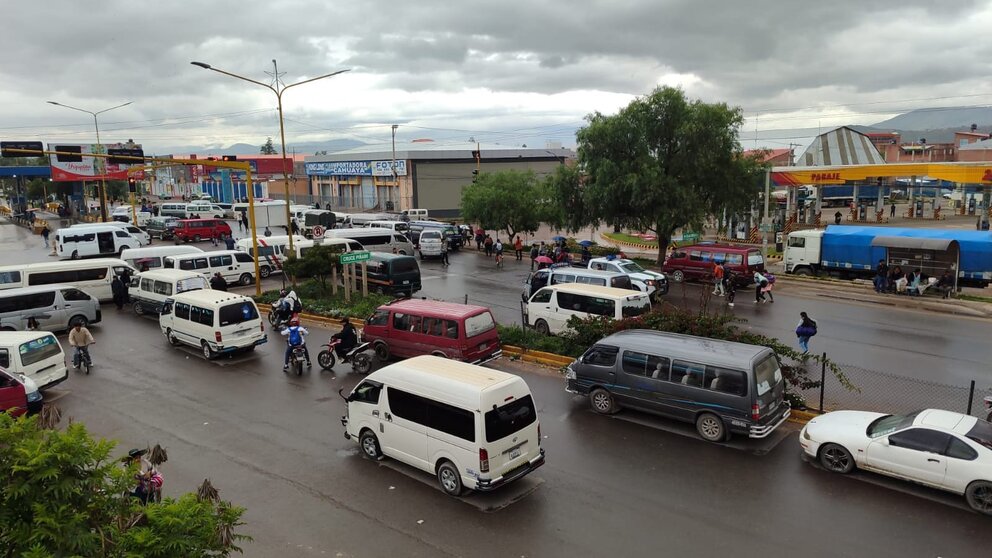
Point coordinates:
pixel 510 72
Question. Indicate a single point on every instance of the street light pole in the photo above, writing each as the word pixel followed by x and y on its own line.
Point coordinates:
pixel 395 176
pixel 278 89
pixel 99 147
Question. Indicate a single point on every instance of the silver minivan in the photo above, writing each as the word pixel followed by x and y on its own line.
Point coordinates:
pixel 565 273
pixel 720 386
pixel 54 307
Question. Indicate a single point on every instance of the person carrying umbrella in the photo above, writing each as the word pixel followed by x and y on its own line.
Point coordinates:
pixel 543 262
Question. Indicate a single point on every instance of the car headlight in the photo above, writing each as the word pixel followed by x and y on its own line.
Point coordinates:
pixel 650 282
pixel 569 372
pixel 34 396
pixel 806 435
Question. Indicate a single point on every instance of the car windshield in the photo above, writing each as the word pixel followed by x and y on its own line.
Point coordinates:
pixel 631 267
pixel 889 424
pixel 981 433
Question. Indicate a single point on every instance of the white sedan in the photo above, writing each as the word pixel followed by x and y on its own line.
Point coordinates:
pixel 936 448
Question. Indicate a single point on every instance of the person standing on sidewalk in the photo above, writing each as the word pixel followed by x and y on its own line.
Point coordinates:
pixel 533 255
pixel 444 254
pixel 518 247
pixel 730 283
pixel 881 276
pixel 44 233
pixel 244 220
pixel 718 288
pixel 805 330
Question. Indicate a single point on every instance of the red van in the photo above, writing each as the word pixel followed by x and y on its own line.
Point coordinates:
pixel 200 229
pixel 696 262
pixel 13 396
pixel 407 328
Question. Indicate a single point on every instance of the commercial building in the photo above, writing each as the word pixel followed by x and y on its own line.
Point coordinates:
pixel 428 175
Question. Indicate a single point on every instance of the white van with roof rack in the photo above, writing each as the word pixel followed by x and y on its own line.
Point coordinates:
pixel 471 427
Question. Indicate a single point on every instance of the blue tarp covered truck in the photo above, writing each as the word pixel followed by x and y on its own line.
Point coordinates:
pixel 854 251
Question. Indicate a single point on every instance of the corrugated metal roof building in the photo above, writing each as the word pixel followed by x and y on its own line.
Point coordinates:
pixel 841 146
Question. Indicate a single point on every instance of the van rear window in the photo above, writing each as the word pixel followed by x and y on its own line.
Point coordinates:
pixel 767 374
pixel 238 313
pixel 510 418
pixel 479 323
pixel 39 349
pixel 405 265
pixel 755 258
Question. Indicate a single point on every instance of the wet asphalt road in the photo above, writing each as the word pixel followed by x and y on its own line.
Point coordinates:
pixel 629 485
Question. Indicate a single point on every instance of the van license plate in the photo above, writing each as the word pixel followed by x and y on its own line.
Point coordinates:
pixel 514 453
pixel 406 282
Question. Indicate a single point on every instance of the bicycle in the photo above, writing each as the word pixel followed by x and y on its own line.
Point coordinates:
pixel 499 260
pixel 82 357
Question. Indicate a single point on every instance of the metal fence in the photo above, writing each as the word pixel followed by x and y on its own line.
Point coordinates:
pixel 892 393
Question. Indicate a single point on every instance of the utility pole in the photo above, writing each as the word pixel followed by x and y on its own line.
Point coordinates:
pixel 395 176
pixel 792 153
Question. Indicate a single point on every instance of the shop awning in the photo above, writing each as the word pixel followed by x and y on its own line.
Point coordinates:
pixel 938 244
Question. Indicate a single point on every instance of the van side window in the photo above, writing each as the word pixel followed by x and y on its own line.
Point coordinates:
pixel 216 261
pixel 4 358
pixel 725 380
pixel 162 288
pixel 735 259
pixel 600 356
pixel 678 255
pixel 401 322
pixel 687 373
pixel 121 234
pixel 415 324
pixel 241 257
pixel 146 285
pixel 8 277
pixel 407 406
pixel 649 366
pixel 695 256
pixel 74 294
pixel 367 392
pixel 182 310
pixel 379 318
pixel 557 278
pixel 451 329
pixel 719 257
pixel 451 420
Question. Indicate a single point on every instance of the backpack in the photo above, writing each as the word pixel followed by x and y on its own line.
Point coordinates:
pixel 771 279
pixel 295 338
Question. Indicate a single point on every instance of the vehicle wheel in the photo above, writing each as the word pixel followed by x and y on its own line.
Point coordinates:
pixel 449 479
pixel 710 427
pixel 326 359
pixel 362 363
pixel 602 402
pixel 245 279
pixel 380 290
pixel 804 271
pixel 402 252
pixel 86 367
pixel 173 340
pixel 979 496
pixel 196 238
pixel 836 459
pixel 542 327
pixel 272 318
pixel 75 255
pixel 439 354
pixel 264 271
pixel 139 309
pixel 370 445
pixel 381 351
pixel 78 319
pixel 678 276
pixel 298 365
pixel 208 353
pixel 8 328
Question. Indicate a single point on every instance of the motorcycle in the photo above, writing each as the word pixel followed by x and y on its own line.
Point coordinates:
pixel 360 360
pixel 82 356
pixel 988 406
pixel 274 317
pixel 296 359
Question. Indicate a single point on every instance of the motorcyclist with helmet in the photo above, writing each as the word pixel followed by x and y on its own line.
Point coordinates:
pixel 295 337
pixel 348 337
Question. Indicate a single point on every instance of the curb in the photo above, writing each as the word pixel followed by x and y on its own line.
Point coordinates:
pixel 653 247
pixel 539 357
pixel 802 417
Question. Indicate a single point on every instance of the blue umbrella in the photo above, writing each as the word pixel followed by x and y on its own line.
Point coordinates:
pixel 586 243
pixel 558 238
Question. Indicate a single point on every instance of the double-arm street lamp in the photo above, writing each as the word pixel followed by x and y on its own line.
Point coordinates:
pixel 99 146
pixel 278 88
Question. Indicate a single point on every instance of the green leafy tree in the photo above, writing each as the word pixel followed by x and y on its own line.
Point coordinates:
pixel 62 494
pixel 662 163
pixel 510 200
pixel 268 148
pixel 318 262
pixel 117 190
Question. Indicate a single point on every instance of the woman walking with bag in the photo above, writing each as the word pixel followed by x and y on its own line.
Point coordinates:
pixel 805 330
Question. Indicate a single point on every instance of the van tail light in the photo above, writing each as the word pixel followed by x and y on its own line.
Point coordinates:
pixel 217 336
pixel 483 460
pixel 261 326
pixel 755 412
pixel 538 433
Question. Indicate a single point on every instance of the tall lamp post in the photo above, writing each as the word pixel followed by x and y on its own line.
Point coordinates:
pixel 99 146
pixel 278 88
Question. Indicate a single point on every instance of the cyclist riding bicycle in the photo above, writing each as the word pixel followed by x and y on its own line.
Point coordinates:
pixel 81 339
pixel 498 249
pixel 295 337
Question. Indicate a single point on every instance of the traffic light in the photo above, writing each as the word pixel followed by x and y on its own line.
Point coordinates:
pixel 124 156
pixel 132 185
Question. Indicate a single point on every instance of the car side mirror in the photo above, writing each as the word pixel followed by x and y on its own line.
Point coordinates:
pixel 347 398
pixel 885 441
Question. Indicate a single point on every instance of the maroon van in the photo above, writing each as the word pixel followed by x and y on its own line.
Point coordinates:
pixel 695 262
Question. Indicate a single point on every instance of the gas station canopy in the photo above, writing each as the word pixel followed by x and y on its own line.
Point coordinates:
pixel 961 173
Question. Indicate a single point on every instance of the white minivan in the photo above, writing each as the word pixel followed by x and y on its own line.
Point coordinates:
pixel 150 290
pixel 54 307
pixel 234 266
pixel 34 354
pixel 151 257
pixel 471 427
pixel 550 308
pixel 375 239
pixel 273 250
pixel 97 240
pixel 216 322
pixel 205 210
pixel 93 277
pixel 136 232
pixel 430 243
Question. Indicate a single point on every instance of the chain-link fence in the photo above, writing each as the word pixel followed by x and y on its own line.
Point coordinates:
pixel 873 390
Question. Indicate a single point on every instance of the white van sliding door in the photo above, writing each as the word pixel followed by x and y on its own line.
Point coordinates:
pixel 404 428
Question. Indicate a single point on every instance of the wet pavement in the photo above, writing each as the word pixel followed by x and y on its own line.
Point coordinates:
pixel 628 485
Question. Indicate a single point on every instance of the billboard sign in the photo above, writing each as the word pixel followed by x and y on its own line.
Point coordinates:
pixel 355 168
pixel 75 167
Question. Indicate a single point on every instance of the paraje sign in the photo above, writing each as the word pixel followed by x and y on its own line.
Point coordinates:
pixel 821 177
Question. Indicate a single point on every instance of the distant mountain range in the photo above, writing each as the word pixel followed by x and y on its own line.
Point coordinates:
pixel 936 124
pixel 248 149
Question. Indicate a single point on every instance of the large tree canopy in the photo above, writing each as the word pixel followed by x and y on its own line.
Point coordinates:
pixel 509 200
pixel 661 163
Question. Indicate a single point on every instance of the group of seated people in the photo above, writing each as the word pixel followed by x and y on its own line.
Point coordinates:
pixel 914 283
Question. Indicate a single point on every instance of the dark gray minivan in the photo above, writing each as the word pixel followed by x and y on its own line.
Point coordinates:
pixel 720 386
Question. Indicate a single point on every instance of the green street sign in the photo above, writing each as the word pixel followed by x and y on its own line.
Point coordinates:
pixel 354 257
pixel 690 236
